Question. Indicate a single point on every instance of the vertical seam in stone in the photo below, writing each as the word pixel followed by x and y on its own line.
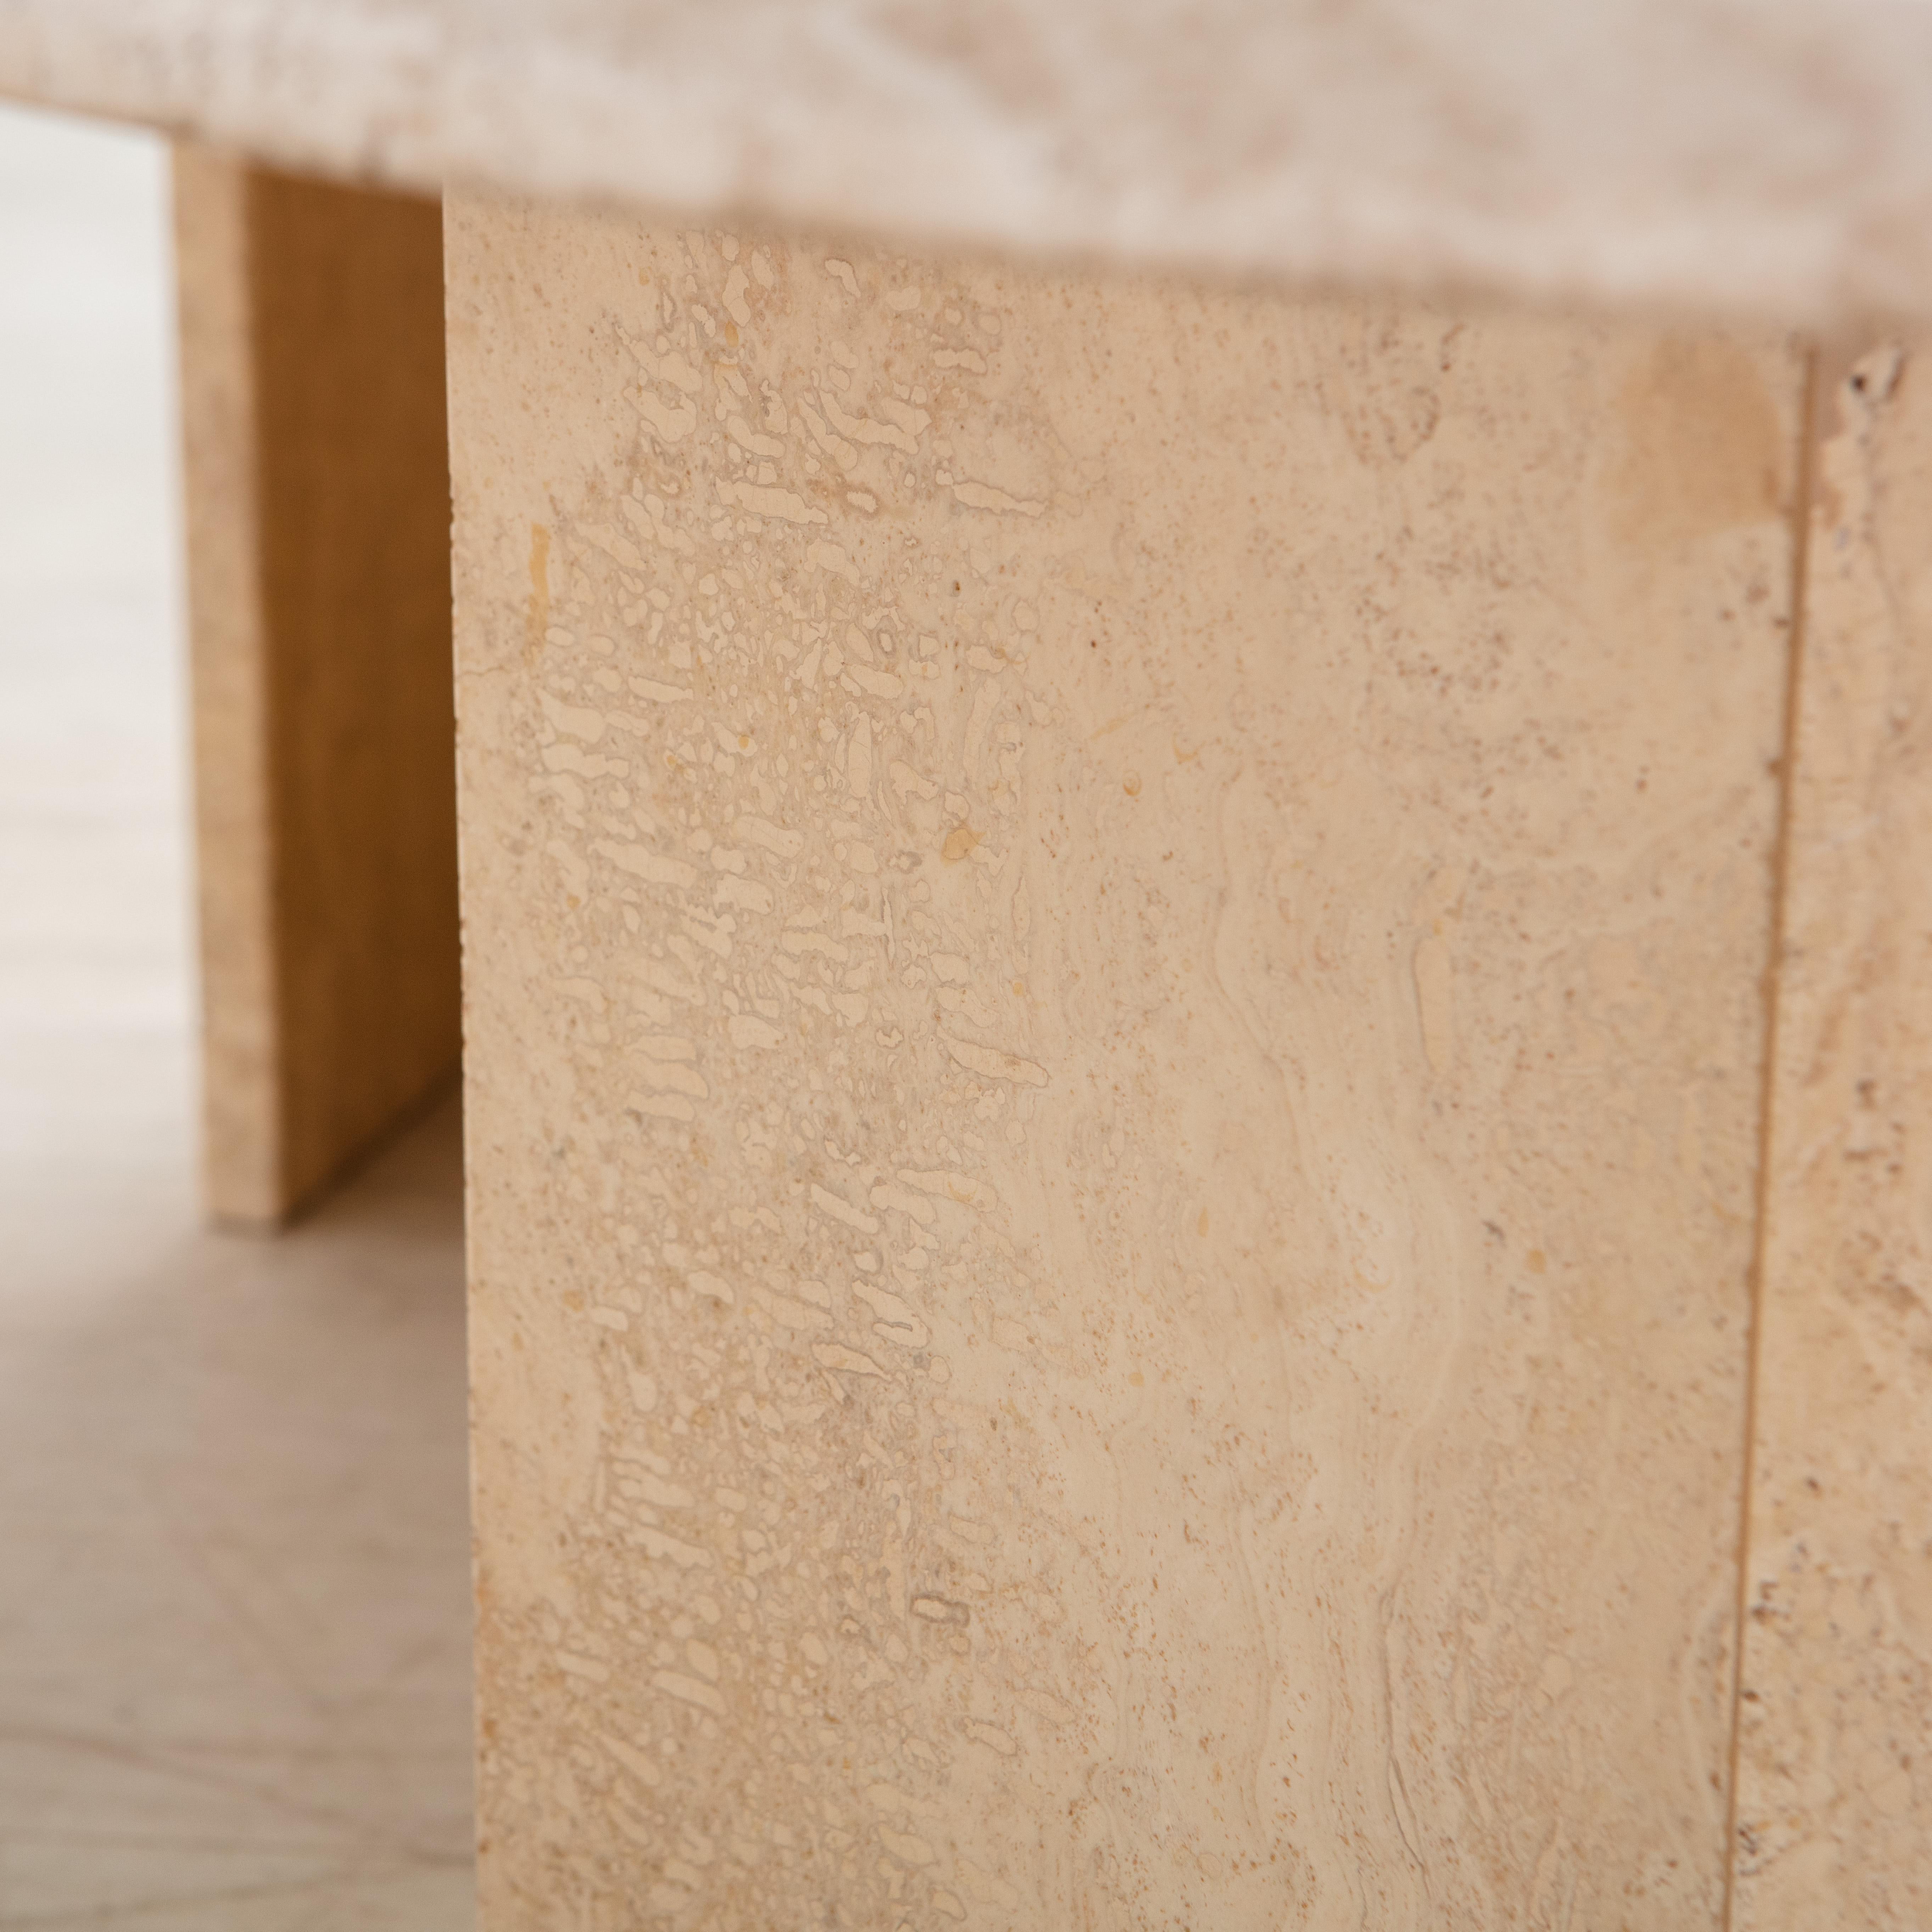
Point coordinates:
pixel 1808 444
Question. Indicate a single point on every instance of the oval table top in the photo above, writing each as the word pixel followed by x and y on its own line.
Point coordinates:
pixel 1770 158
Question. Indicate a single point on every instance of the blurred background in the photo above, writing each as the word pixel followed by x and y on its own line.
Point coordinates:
pixel 234 1552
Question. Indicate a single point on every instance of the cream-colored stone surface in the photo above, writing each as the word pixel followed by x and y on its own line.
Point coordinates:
pixel 1115 937
pixel 241 1025
pixel 317 494
pixel 1834 1804
pixel 1765 157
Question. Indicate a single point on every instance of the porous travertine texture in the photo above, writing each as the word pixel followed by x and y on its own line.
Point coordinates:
pixel 1834 1800
pixel 1115 938
pixel 316 495
pixel 1772 157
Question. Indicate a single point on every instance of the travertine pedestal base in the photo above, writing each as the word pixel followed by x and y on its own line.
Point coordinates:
pixel 317 513
pixel 1835 1758
pixel 1117 1060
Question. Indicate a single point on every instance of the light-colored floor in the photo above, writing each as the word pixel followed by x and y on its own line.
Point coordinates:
pixel 234 1592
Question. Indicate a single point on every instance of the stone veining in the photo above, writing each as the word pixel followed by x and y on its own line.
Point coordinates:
pixel 1099 1296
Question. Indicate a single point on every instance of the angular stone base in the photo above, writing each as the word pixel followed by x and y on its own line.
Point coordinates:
pixel 317 503
pixel 1834 1776
pixel 1117 942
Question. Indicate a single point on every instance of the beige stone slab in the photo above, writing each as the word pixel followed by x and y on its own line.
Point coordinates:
pixel 316 497
pixel 1117 936
pixel 1834 1804
pixel 1767 157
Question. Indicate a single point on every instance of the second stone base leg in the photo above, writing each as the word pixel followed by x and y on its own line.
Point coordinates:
pixel 317 503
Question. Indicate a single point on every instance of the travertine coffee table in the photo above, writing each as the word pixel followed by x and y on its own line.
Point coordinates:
pixel 1197 1019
